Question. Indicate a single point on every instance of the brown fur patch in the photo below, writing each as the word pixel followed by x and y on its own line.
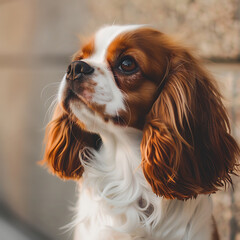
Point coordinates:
pixel 65 138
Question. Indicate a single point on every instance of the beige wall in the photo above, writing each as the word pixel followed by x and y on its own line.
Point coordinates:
pixel 37 38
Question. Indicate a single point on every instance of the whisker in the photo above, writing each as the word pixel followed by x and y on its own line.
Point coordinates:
pixel 50 99
pixel 50 109
pixel 48 86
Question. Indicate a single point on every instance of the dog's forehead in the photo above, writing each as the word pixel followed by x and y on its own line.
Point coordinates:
pixel 105 36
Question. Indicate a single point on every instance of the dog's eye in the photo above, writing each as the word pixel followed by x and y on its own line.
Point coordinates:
pixel 128 65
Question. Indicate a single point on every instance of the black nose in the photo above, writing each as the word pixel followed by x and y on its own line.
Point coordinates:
pixel 78 68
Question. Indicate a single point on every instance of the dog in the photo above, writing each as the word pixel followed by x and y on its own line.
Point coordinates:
pixel 141 126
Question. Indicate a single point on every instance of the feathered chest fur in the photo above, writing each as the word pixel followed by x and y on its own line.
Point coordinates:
pixel 115 201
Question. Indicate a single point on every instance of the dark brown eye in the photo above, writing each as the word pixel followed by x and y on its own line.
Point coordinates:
pixel 128 65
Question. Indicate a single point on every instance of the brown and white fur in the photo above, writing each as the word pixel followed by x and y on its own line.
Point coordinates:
pixel 143 130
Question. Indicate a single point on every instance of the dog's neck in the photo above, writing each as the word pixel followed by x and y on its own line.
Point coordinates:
pixel 124 142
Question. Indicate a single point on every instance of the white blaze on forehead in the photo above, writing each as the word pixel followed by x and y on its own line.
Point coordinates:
pixel 105 36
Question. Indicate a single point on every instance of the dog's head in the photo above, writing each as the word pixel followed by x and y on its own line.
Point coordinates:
pixel 137 77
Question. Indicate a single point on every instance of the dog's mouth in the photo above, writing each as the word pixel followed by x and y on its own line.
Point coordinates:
pixel 71 97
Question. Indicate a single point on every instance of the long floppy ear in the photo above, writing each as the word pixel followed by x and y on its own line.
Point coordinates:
pixel 64 140
pixel 186 147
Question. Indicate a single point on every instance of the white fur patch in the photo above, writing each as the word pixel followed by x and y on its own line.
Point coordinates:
pixel 104 38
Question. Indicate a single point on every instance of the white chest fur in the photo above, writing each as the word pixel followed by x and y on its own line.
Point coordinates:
pixel 116 202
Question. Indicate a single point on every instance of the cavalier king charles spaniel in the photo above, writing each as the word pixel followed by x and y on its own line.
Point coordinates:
pixel 141 126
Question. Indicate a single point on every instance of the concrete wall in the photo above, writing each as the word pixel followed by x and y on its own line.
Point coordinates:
pixel 37 39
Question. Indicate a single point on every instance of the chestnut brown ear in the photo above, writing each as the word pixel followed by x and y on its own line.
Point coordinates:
pixel 186 147
pixel 64 140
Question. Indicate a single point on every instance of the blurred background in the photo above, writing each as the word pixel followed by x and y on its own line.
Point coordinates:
pixel 37 40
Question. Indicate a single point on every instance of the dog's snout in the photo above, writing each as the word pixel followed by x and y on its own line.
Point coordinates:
pixel 77 69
